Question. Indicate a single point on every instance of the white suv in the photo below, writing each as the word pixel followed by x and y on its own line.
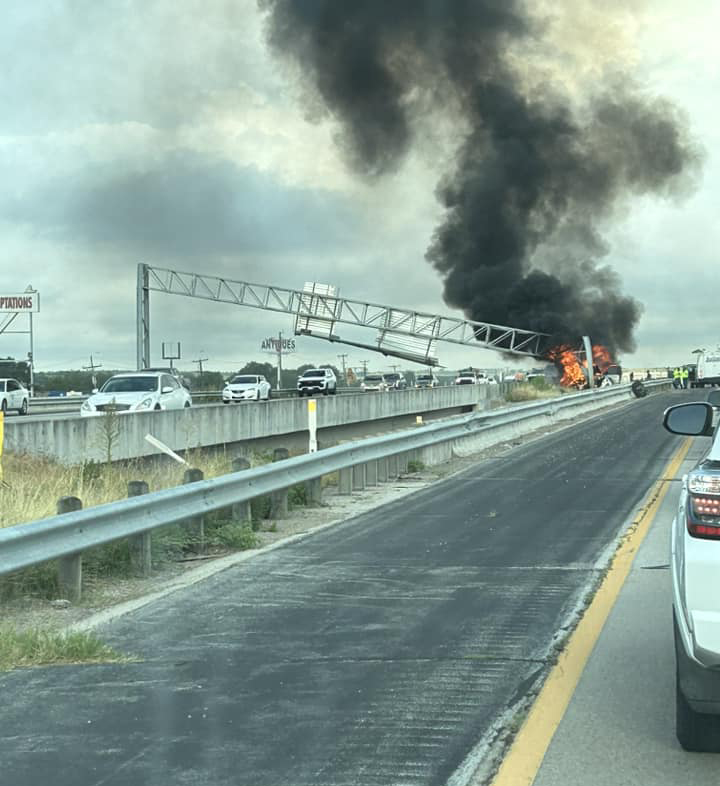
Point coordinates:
pixel 13 396
pixel 317 380
pixel 695 563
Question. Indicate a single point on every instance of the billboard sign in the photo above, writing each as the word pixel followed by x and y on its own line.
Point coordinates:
pixel 23 302
pixel 278 345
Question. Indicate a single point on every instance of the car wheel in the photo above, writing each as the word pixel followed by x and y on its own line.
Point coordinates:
pixel 157 407
pixel 696 731
pixel 187 405
pixel 24 408
pixel 333 392
pixel 257 395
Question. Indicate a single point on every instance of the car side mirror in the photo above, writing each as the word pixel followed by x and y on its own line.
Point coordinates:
pixel 714 398
pixel 167 389
pixel 692 420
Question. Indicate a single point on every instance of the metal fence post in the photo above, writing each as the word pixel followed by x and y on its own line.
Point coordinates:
pixel 140 545
pixel 371 473
pixel 279 499
pixel 70 567
pixel 195 526
pixel 241 511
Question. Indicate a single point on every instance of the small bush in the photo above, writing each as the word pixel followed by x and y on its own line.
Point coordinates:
pixel 40 581
pixel 415 466
pixel 22 648
pixel 297 496
pixel 233 535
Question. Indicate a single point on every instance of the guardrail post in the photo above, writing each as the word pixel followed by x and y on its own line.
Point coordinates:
pixel 358 479
pixel 382 470
pixel 371 473
pixel 313 491
pixel 195 526
pixel 140 545
pixel 279 499
pixel 70 567
pixel 241 511
pixel 345 480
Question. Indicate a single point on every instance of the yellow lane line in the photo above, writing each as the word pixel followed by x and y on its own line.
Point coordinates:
pixel 525 756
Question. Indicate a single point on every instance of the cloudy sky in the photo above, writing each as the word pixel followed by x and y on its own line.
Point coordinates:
pixel 166 131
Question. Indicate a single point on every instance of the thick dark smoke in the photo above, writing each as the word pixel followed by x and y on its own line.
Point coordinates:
pixel 536 171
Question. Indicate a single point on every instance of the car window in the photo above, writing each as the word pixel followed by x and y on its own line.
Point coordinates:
pixel 130 385
pixel 2 386
pixel 246 379
pixel 168 381
pixel 12 385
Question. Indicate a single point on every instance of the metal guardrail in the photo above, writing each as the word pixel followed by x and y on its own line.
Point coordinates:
pixel 68 402
pixel 25 545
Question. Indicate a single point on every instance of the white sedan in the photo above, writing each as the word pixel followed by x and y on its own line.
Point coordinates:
pixel 13 396
pixel 140 392
pixel 246 387
pixel 695 564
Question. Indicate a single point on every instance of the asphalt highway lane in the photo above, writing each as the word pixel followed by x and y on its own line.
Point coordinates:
pixel 380 651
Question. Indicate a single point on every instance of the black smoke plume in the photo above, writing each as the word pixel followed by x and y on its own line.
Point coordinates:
pixel 537 175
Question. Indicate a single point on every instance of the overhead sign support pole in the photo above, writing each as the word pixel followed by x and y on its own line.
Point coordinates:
pixel 589 361
pixel 142 328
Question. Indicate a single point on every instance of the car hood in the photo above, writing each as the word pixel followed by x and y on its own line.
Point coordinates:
pixel 120 398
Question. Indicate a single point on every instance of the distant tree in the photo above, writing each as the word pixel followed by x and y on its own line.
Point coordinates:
pixel 208 380
pixel 15 369
pixel 265 369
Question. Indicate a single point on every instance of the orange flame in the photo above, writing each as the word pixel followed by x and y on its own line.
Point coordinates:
pixel 574 374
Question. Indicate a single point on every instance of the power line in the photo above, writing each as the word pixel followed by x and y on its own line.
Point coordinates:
pixel 91 368
pixel 92 365
pixel 200 361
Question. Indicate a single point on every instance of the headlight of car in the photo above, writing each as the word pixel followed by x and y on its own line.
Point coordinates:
pixel 145 404
pixel 87 406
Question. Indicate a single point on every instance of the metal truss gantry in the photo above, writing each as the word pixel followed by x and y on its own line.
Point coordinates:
pixel 403 333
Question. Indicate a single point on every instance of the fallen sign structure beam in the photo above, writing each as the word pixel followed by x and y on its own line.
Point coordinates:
pixel 402 332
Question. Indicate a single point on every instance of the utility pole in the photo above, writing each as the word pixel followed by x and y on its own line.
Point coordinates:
pixel 279 365
pixel 364 364
pixel 91 368
pixel 343 358
pixel 200 361
pixel 394 368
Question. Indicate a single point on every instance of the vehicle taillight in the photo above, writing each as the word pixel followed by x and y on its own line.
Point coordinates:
pixel 703 516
